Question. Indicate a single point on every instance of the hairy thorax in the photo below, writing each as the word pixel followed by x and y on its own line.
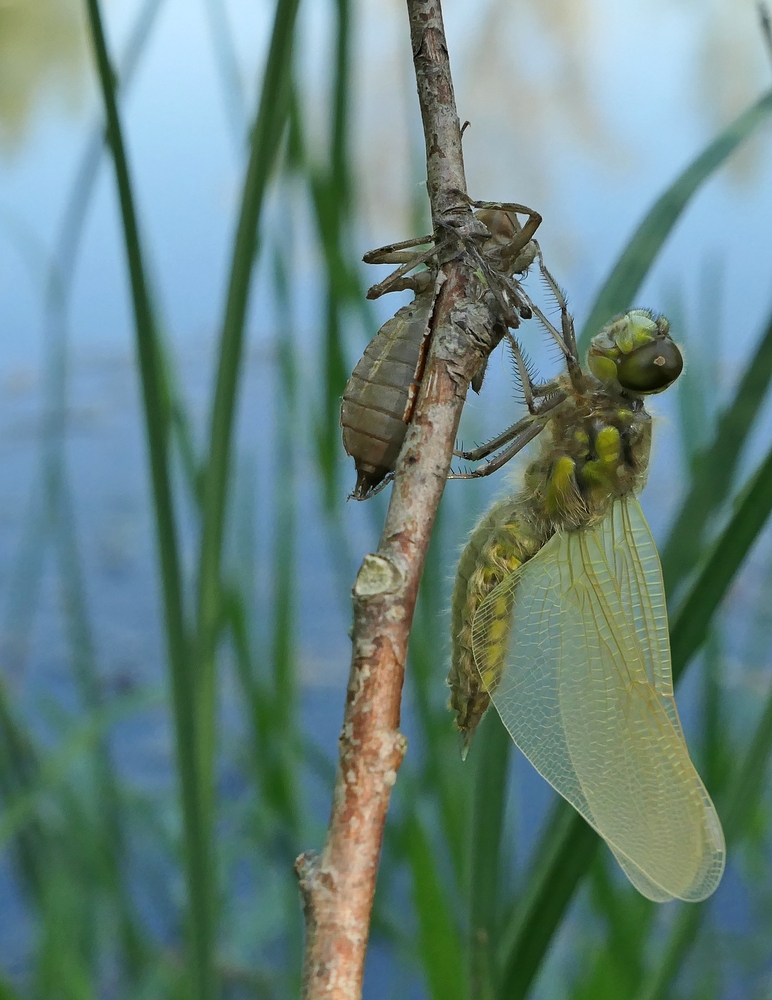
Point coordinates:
pixel 594 450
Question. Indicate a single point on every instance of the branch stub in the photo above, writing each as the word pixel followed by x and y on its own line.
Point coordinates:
pixel 377 576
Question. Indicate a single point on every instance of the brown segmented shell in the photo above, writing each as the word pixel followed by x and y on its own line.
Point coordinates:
pixel 380 395
pixel 378 398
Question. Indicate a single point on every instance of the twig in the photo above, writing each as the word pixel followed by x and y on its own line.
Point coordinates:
pixel 338 885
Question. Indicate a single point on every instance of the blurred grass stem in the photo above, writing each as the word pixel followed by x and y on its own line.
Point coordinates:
pixel 264 148
pixel 634 263
pixel 197 824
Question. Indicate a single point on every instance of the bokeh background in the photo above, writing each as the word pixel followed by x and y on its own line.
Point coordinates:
pixel 588 111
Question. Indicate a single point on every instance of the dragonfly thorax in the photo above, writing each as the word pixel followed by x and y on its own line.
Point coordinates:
pixel 594 450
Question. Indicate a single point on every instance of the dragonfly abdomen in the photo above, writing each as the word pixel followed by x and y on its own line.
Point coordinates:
pixel 376 401
pixel 592 455
pixel 502 541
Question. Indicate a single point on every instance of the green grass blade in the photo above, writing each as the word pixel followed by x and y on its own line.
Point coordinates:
pixel 681 938
pixel 618 957
pixel 109 819
pixel 270 692
pixel 7 991
pixel 564 854
pixel 283 733
pixel 632 267
pixel 331 192
pixel 68 238
pixel 155 400
pixel 340 174
pixel 264 148
pixel 697 392
pixel 439 944
pixel 24 583
pixel 694 414
pixel 714 468
pixel 273 751
pixel 19 774
pixel 717 750
pixel 228 66
pixel 285 530
pixel 332 200
pixel 38 778
pixel 557 872
pixel 62 970
pixel 747 785
pixel 690 623
pixel 493 752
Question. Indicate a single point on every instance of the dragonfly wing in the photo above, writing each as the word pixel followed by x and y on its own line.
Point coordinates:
pixel 631 553
pixel 586 694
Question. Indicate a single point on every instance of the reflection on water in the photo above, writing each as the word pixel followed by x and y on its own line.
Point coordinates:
pixel 42 52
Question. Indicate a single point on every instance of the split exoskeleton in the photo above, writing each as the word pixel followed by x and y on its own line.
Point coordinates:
pixel 380 395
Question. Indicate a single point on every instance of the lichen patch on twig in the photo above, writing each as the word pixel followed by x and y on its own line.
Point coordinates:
pixel 376 576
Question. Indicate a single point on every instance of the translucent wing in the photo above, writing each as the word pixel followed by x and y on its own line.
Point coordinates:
pixel 586 693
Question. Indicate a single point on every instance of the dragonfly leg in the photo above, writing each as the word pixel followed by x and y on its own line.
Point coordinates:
pixel 495 443
pixel 363 492
pixel 510 298
pixel 526 232
pixel 390 283
pixel 548 326
pixel 526 379
pixel 385 255
pixel 417 282
pixel 549 389
pixel 503 457
pixel 484 450
pixel 566 322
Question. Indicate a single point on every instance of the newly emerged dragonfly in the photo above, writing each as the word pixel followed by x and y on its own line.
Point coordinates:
pixel 559 615
pixel 379 397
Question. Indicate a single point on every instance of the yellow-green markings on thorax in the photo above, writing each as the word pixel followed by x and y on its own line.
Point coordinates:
pixel 594 449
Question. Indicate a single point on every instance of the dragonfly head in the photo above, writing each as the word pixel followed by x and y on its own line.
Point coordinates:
pixel 636 353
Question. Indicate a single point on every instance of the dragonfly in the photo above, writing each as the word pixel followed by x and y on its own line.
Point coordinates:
pixel 559 616
pixel 380 396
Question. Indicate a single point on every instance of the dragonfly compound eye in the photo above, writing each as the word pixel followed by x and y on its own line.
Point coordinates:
pixel 636 352
pixel 651 368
